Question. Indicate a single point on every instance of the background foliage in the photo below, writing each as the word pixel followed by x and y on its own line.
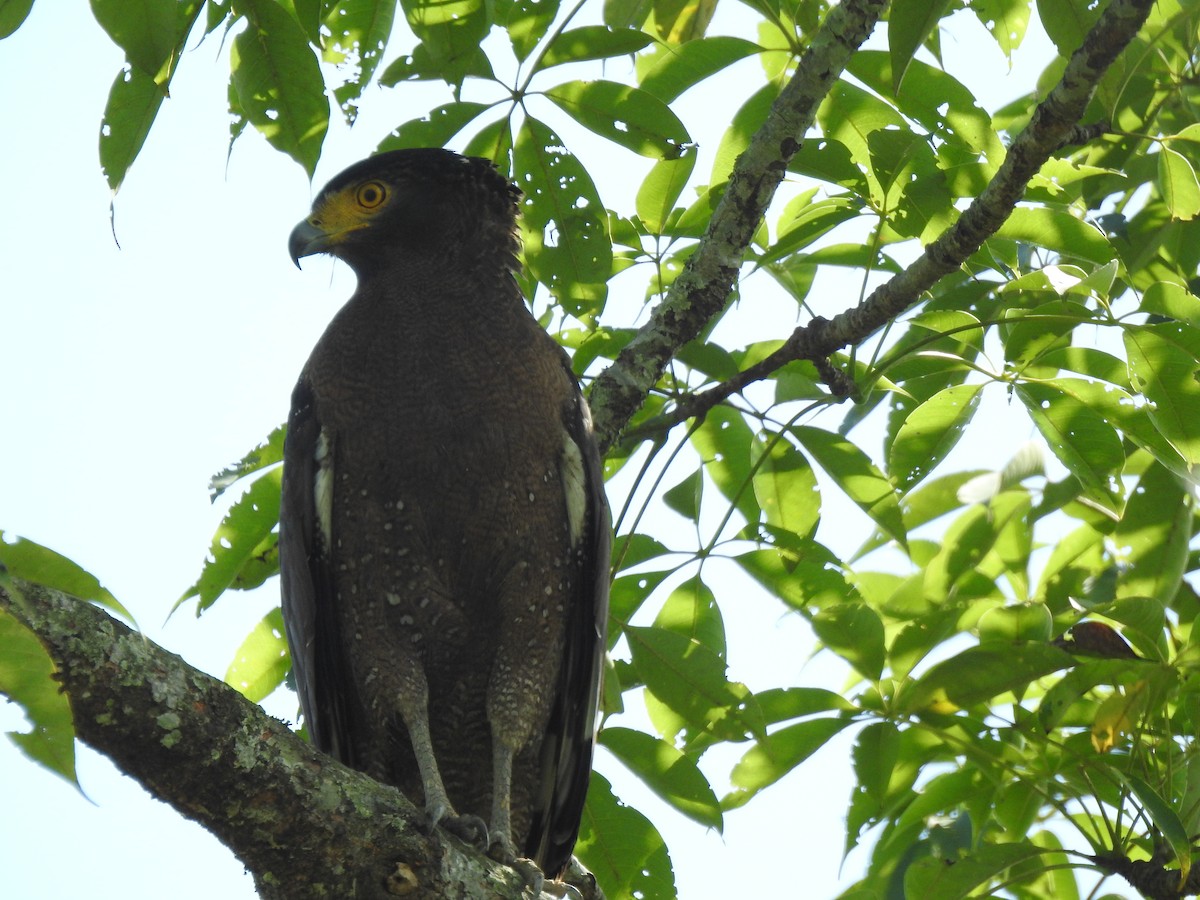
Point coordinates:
pixel 1024 692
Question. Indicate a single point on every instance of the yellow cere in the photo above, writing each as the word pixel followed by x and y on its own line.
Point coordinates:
pixel 349 209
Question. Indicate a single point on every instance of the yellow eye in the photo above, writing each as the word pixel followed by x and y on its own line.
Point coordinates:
pixel 371 194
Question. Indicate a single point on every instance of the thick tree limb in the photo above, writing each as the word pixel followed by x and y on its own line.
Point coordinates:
pixel 1055 124
pixel 304 825
pixel 700 292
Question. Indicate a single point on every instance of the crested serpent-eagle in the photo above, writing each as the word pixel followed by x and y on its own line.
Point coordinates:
pixel 444 538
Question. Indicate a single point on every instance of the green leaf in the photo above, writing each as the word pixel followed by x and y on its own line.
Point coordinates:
pixel 1152 536
pixel 930 432
pixel 910 23
pixel 674 68
pixel 685 497
pixel 1164 361
pixel 30 561
pixel 591 42
pixel 238 541
pixel 1123 411
pixel 435 128
pixel 875 754
pixel 1067 22
pixel 450 34
pixel 357 35
pixel 806 575
pixel 527 22
pixel 133 104
pixel 785 485
pixel 778 754
pixel 151 32
pixel 978 674
pixel 633 118
pixel 493 141
pixel 661 188
pixel 746 121
pixel 267 453
pixel 1057 230
pixel 854 632
pixel 965 543
pixel 723 441
pixel 12 14
pixel 262 661
pixel 963 875
pixel 1177 181
pixel 857 476
pixel 1080 437
pixel 27 678
pixel 692 611
pixel 1005 20
pixel 279 83
pixel 670 774
pixel 690 679
pixel 1166 820
pixel 781 704
pixel 622 848
pixel 564 225
pixel 1173 301
pixel 626 596
pixel 678 21
pixel 937 100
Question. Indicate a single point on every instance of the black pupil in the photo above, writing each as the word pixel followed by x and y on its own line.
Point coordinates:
pixel 370 195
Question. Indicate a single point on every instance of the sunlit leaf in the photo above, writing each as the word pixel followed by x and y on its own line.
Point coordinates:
pixel 785 485
pixel 133 104
pixel 980 673
pixel 770 759
pixel 854 632
pixel 279 83
pixel 857 476
pixel 262 661
pixel 1177 181
pixel 151 32
pixel 690 679
pixel 672 69
pixel 237 541
pixel 670 774
pixel 1153 535
pixel 592 42
pixel 1082 440
pixel 12 14
pixel 622 847
pixel 27 678
pixel 564 225
pixel 1164 361
pixel 930 432
pixel 30 561
pixel 961 876
pixel 633 118
pixel 909 24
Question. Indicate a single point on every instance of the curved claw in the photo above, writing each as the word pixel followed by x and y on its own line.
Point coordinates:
pixel 471 829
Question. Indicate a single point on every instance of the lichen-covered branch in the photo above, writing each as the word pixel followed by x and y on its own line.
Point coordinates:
pixel 703 287
pixel 1055 124
pixel 304 825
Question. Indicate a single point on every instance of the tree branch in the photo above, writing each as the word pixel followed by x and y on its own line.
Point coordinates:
pixel 303 824
pixel 702 288
pixel 1055 124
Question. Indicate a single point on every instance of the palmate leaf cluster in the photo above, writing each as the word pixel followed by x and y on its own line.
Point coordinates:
pixel 1024 698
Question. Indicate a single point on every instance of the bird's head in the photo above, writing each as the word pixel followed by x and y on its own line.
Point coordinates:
pixel 412 203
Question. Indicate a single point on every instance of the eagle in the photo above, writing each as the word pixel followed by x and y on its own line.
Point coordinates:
pixel 444 539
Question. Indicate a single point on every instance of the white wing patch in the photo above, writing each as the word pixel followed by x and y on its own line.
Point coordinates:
pixel 574 482
pixel 323 489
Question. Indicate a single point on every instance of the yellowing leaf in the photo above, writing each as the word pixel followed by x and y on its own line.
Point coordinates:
pixel 1116 716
